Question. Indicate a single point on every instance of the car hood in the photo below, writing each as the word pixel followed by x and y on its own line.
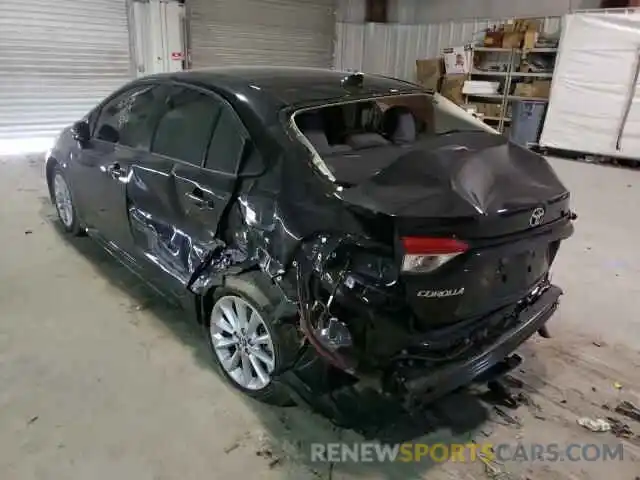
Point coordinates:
pixel 462 174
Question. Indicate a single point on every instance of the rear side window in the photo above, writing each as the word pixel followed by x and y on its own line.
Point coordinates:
pixel 184 130
pixel 131 118
pixel 227 143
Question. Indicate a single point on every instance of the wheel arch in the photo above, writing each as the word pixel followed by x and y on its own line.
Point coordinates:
pixel 254 283
pixel 51 165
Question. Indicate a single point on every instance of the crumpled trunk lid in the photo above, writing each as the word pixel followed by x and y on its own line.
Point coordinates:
pixel 504 201
pixel 460 175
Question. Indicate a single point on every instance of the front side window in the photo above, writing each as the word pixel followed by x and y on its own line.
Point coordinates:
pixel 184 131
pixel 131 118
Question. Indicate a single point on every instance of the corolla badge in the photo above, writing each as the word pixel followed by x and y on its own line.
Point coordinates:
pixel 536 217
pixel 454 292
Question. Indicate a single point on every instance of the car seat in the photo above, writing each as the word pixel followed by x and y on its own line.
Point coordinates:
pixel 311 126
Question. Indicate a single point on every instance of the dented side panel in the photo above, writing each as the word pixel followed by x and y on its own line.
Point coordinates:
pixel 270 216
pixel 174 210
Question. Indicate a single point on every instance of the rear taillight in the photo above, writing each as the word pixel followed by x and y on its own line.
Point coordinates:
pixel 426 254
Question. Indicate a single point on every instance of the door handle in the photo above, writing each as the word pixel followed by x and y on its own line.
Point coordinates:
pixel 197 197
pixel 116 171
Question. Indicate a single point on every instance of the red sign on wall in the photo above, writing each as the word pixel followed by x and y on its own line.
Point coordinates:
pixel 177 56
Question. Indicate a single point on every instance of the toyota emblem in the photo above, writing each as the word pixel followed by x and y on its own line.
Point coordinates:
pixel 536 217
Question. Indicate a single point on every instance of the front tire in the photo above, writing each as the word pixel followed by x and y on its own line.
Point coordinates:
pixel 63 201
pixel 247 344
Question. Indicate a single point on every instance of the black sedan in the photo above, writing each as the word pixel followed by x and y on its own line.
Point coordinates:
pixel 326 229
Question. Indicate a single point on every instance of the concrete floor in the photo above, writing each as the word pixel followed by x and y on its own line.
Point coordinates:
pixel 99 379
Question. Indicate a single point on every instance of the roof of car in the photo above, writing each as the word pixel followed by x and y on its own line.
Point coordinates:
pixel 291 86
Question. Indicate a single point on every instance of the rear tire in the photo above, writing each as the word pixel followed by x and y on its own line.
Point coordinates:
pixel 63 201
pixel 248 345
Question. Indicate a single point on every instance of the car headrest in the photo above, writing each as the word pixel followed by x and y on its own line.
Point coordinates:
pixel 399 125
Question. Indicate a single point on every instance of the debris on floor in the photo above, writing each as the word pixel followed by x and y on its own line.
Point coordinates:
pixel 597 425
pixel 617 385
pixel 508 419
pixel 524 399
pixel 231 447
pixel 267 453
pixel 33 419
pixel 629 410
pixel 492 469
pixel 500 394
pixel 264 452
pixel 620 429
pixel 512 381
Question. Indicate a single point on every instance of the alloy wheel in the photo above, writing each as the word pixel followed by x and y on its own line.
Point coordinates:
pixel 62 197
pixel 242 342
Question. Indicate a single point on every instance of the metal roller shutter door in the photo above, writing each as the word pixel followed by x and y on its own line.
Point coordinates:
pixel 57 60
pixel 262 32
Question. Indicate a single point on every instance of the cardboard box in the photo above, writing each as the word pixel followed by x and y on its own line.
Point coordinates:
pixel 471 108
pixel 509 27
pixel 429 73
pixel 492 109
pixel 512 39
pixel 541 88
pixel 452 88
pixel 488 109
pixel 457 60
pixel 531 25
pixel 537 89
pixel 530 39
pixel 522 25
pixel 523 90
pixel 479 107
pixel 493 38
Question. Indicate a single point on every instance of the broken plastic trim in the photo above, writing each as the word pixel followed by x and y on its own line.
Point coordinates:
pixel 304 296
pixel 218 263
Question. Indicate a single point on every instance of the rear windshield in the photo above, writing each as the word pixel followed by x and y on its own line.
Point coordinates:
pixel 376 125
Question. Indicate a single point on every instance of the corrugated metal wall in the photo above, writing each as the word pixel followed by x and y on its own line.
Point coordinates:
pixel 262 32
pixel 57 60
pixel 413 12
pixel 392 48
pixel 435 11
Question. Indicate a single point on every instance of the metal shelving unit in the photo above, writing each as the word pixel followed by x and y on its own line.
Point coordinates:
pixel 507 76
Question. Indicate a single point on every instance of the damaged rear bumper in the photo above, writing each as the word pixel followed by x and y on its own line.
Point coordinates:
pixel 491 360
pixel 346 406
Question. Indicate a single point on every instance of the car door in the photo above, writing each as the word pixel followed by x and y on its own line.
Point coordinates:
pixel 175 203
pixel 122 137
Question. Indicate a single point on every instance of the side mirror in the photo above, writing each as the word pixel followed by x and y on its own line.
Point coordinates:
pixel 81 132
